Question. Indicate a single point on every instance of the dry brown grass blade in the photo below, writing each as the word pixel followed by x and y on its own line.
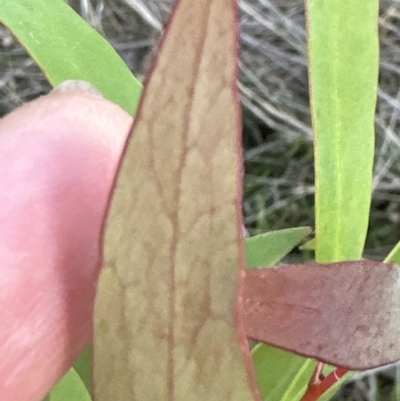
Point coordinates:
pixel 166 313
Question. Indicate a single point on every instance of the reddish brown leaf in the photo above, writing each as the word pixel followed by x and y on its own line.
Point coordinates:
pixel 346 313
pixel 168 301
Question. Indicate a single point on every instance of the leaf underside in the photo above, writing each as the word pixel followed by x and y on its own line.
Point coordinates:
pixel 167 310
pixel 345 314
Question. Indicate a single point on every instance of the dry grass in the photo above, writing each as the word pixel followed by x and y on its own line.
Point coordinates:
pixel 273 83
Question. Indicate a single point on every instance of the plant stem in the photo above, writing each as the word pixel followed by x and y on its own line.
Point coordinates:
pixel 319 383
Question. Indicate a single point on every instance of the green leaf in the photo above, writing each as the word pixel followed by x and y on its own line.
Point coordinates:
pixel 269 248
pixel 83 366
pixel 281 375
pixel 309 245
pixel 70 388
pixel 66 47
pixel 79 375
pixel 343 56
pixel 284 376
pixel 394 254
pixel 333 389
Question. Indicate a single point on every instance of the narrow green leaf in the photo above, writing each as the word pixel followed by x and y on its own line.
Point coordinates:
pixel 70 388
pixel 281 375
pixel 66 47
pixel 74 380
pixel 332 390
pixel 83 366
pixel 394 254
pixel 284 376
pixel 343 56
pixel 269 248
pixel 309 245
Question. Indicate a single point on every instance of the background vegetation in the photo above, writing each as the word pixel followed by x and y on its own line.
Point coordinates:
pixel 277 136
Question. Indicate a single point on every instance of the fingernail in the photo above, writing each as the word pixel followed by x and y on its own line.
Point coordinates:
pixel 76 84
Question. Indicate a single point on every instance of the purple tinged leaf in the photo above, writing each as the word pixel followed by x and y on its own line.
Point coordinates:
pixel 346 313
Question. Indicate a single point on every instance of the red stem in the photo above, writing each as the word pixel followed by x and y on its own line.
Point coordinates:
pixel 319 384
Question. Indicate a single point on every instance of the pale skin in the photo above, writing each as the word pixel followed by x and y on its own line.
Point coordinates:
pixel 58 157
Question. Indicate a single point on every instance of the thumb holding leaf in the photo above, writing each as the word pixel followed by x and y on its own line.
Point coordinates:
pixel 58 157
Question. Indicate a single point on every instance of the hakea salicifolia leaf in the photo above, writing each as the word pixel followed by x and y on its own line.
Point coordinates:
pixel 169 306
pixel 345 313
